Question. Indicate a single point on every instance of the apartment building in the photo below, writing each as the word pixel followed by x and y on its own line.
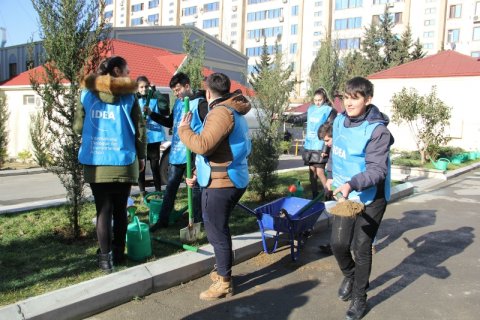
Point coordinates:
pixel 300 25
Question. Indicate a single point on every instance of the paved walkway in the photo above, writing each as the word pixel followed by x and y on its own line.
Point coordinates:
pixel 261 289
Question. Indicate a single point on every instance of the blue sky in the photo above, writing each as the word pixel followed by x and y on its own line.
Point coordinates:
pixel 20 20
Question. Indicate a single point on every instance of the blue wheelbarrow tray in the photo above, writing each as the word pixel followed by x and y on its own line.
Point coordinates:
pixel 298 220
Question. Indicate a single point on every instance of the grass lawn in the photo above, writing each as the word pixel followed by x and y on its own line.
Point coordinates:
pixel 37 255
pixel 417 163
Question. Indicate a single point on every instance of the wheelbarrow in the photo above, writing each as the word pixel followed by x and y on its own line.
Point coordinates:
pixel 289 215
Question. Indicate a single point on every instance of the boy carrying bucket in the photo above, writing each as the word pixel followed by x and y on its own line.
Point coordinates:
pixel 360 169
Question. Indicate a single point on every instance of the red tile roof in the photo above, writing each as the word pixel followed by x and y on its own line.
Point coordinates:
pixel 443 64
pixel 159 65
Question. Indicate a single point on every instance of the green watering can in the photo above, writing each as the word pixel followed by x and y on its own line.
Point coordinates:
pixel 441 164
pixel 154 202
pixel 457 159
pixel 139 246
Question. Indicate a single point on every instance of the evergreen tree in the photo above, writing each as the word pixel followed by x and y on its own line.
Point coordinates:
pixel 193 66
pixel 417 52
pixel 371 45
pixel 388 39
pixel 272 84
pixel 326 70
pixel 4 114
pixel 354 64
pixel 74 36
pixel 402 54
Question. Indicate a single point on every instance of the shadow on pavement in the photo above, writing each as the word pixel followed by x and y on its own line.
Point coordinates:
pixel 392 229
pixel 265 304
pixel 430 250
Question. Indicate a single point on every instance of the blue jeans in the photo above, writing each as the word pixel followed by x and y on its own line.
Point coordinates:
pixel 357 234
pixel 175 177
pixel 217 205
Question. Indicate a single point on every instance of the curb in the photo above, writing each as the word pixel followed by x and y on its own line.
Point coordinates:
pixel 96 295
pixel 19 172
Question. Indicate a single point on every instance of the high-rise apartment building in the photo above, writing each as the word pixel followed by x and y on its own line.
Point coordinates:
pixel 300 25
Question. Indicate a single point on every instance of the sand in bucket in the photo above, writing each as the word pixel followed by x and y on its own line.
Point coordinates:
pixel 346 208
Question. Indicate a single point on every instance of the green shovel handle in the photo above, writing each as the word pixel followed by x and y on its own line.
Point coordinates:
pixel 186 109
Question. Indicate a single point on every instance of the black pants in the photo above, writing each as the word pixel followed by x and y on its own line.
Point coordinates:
pixel 153 154
pixel 111 201
pixel 217 205
pixel 357 234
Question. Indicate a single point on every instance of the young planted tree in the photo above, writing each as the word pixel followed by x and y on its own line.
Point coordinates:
pixel 74 36
pixel 193 65
pixel 273 84
pixel 326 70
pixel 4 114
pixel 426 116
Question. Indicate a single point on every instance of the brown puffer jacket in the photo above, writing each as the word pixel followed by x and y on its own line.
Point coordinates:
pixel 213 140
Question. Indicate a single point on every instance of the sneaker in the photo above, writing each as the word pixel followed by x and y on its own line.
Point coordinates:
pixel 221 288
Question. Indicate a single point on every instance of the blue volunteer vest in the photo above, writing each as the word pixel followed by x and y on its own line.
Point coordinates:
pixel 315 118
pixel 155 131
pixel 178 151
pixel 348 156
pixel 108 136
pixel 240 145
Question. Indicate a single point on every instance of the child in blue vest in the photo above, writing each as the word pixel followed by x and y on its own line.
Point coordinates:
pixel 180 85
pixel 155 132
pixel 360 170
pixel 317 114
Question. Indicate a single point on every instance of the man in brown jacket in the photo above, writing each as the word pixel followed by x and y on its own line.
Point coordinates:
pixel 222 148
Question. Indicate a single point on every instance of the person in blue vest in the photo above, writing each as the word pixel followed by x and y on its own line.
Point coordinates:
pixel 222 147
pixel 155 132
pixel 112 151
pixel 360 170
pixel 317 114
pixel 180 85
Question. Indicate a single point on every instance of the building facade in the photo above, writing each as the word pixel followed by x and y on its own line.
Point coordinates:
pixel 300 25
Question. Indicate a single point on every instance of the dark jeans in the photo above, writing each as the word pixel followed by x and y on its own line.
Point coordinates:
pixel 217 205
pixel 153 154
pixel 111 201
pixel 175 177
pixel 357 234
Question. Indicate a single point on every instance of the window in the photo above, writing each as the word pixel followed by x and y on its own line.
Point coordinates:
pixel 453 35
pixel 430 10
pixel 317 23
pixel 107 2
pixel 137 7
pixel 477 8
pixel 293 48
pixel 12 70
pixel 214 6
pixel 318 3
pixel 476 34
pixel 428 46
pixel 317 14
pixel 475 54
pixel 152 4
pixel 189 11
pixel 153 18
pixel 108 14
pixel 430 22
pixel 263 15
pixel 350 43
pixel 190 24
pixel 136 21
pixel 386 1
pixel 428 34
pixel 256 51
pixel 346 4
pixel 257 1
pixel 28 99
pixel 266 32
pixel 348 23
pixel 210 23
pixel 294 29
pixel 317 33
pixel 455 11
pixel 233 33
pixel 295 11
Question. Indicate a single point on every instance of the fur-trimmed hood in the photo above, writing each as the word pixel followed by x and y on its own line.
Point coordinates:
pixel 115 86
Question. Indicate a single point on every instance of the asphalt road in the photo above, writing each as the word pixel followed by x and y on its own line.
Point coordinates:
pixel 426 267
pixel 31 188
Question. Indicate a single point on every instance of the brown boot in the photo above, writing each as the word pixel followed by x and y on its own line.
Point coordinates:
pixel 220 288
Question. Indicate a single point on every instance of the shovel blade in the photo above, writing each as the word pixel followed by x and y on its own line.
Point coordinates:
pixel 191 233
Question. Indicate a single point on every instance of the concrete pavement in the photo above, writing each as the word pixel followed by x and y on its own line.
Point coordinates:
pixel 106 292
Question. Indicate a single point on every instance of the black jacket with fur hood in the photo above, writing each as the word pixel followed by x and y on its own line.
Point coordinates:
pixel 109 89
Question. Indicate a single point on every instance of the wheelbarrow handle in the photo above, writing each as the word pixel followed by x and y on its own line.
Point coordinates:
pixel 247 209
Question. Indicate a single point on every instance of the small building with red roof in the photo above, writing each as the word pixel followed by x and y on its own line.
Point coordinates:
pixel 456 78
pixel 159 65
